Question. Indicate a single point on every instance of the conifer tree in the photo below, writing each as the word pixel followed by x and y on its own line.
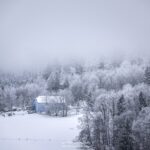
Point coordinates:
pixel 142 101
pixel 147 76
pixel 121 105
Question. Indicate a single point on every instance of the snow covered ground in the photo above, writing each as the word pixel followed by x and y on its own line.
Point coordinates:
pixel 38 132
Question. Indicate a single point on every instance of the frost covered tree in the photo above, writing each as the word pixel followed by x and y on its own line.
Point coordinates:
pixel 77 90
pixel 65 84
pixel 97 128
pixel 142 101
pixel 121 105
pixel 101 123
pixel 53 82
pixel 123 132
pixel 123 127
pixel 141 130
pixel 85 135
pixel 147 75
pixel 2 102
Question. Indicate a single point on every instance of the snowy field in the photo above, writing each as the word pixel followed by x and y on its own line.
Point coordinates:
pixel 38 132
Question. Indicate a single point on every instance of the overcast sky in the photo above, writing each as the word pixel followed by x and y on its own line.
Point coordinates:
pixel 34 33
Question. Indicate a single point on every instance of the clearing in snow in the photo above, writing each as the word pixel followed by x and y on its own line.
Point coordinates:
pixel 38 132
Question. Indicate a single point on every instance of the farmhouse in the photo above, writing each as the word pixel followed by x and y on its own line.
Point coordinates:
pixel 52 105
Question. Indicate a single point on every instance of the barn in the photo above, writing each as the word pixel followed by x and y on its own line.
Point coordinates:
pixel 52 105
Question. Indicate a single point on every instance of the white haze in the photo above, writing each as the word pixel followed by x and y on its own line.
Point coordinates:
pixel 34 33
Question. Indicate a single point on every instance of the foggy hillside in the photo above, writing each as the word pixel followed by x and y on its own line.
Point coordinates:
pixel 84 58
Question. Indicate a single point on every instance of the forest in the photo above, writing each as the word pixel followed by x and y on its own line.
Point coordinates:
pixel 116 98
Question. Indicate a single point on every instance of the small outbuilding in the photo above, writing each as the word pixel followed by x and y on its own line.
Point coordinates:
pixel 52 105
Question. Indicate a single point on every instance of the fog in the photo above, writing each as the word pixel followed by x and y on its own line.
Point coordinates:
pixel 36 33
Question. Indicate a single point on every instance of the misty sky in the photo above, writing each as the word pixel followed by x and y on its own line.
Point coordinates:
pixel 34 33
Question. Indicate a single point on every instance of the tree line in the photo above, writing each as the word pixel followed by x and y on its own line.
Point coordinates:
pixel 119 119
pixel 116 98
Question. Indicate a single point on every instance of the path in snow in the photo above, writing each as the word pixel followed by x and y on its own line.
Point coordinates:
pixel 37 132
